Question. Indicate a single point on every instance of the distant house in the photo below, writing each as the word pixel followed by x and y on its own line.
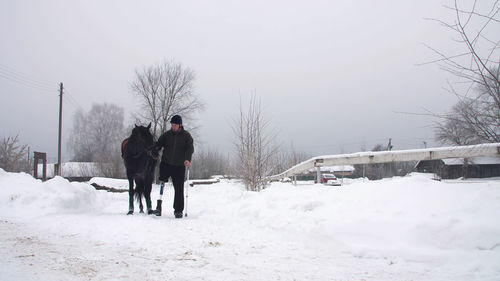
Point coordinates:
pixel 475 167
pixel 339 171
pixel 76 171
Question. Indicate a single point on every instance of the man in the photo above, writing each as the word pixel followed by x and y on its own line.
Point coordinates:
pixel 177 145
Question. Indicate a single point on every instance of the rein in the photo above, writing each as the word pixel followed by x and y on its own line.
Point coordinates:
pixel 149 151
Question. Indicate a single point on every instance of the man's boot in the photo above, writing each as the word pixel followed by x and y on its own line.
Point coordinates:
pixel 158 207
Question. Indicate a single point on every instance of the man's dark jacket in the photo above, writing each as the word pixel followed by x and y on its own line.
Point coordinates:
pixel 177 147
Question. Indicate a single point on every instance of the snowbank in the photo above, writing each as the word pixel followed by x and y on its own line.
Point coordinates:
pixel 408 228
pixel 23 196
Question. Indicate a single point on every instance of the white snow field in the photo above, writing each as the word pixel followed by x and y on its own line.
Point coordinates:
pixel 407 228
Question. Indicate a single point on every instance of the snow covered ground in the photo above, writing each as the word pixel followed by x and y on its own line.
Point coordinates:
pixel 409 228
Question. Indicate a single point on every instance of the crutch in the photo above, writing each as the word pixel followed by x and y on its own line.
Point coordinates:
pixel 187 196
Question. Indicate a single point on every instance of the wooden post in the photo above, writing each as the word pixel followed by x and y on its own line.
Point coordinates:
pixel 318 175
pixel 57 168
pixel 40 156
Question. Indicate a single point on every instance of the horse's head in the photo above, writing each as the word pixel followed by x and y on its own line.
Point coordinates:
pixel 143 134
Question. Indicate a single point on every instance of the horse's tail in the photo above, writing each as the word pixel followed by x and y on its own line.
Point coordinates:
pixel 139 192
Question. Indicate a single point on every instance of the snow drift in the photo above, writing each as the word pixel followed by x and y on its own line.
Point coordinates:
pixel 408 228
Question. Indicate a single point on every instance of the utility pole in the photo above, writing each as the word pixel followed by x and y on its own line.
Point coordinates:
pixel 58 169
pixel 389 148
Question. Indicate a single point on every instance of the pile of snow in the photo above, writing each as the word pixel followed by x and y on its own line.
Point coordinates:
pixel 408 228
pixel 22 196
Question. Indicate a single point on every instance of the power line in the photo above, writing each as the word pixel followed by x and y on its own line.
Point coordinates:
pixel 20 78
pixel 24 76
pixel 25 83
pixel 72 100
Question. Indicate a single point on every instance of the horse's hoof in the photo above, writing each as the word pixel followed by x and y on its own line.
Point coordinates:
pixel 142 212
pixel 150 212
pixel 130 213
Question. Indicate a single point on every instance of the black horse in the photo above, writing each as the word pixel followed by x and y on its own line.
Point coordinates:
pixel 140 157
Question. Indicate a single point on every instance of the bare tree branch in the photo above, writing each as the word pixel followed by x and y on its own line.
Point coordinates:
pixel 166 89
pixel 476 116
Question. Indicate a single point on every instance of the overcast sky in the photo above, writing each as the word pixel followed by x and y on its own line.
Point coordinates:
pixel 331 75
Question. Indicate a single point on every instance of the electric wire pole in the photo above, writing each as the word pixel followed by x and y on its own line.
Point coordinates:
pixel 58 170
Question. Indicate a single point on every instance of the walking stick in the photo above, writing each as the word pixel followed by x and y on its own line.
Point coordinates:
pixel 187 188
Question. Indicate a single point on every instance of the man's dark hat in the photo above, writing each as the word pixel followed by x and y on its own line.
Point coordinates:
pixel 176 119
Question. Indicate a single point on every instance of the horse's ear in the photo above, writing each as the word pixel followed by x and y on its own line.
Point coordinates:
pixel 135 125
pixel 149 126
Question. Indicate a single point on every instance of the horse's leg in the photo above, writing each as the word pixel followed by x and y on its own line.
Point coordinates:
pixel 147 196
pixel 140 193
pixel 148 204
pixel 130 195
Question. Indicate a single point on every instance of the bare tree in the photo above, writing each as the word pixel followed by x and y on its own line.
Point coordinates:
pixel 78 143
pixel 454 130
pixel 13 155
pixel 96 137
pixel 254 145
pixel 165 89
pixel 476 117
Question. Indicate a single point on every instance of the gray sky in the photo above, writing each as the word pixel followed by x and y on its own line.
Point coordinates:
pixel 331 75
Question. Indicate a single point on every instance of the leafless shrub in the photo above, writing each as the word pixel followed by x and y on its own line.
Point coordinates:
pixel 13 156
pixel 254 145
